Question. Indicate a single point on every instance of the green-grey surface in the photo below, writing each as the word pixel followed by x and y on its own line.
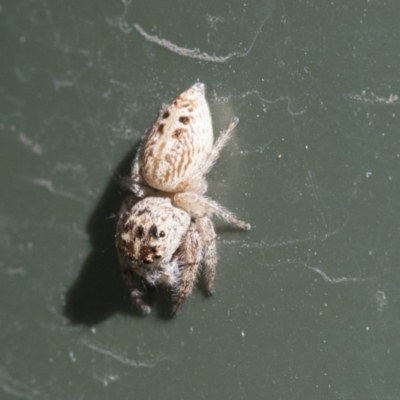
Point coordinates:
pixel 307 303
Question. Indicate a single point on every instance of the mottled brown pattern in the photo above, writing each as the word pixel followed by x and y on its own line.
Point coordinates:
pixel 169 159
pixel 178 133
pixel 162 145
pixel 191 110
pixel 180 166
pixel 167 175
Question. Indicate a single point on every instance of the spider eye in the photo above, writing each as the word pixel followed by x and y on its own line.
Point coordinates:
pixel 139 231
pixel 162 233
pixel 154 231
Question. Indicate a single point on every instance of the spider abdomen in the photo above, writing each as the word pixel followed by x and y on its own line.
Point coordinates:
pixel 179 143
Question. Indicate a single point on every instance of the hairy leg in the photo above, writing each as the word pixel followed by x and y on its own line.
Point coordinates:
pixel 198 205
pixel 219 144
pixel 207 232
pixel 136 286
pixel 192 259
pixel 197 183
pixel 135 182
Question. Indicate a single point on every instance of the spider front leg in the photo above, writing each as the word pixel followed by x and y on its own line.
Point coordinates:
pixel 208 236
pixel 136 286
pixel 135 182
pixel 192 259
pixel 198 205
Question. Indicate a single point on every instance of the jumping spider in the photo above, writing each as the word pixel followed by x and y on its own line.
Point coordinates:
pixel 163 238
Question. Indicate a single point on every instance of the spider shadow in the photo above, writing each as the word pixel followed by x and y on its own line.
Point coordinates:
pixel 220 229
pixel 98 292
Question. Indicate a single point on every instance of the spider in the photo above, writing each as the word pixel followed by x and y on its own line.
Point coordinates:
pixel 163 238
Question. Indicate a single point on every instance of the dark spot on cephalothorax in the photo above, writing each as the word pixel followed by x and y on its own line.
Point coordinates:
pixel 165 115
pixel 160 129
pixel 184 120
pixel 128 227
pixel 178 133
pixel 154 231
pixel 162 233
pixel 139 231
pixel 144 211
pixel 153 249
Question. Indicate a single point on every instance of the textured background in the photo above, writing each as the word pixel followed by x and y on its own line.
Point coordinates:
pixel 307 302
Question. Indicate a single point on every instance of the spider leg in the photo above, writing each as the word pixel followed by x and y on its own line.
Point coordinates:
pixel 192 259
pixel 197 183
pixel 137 294
pixel 219 144
pixel 136 286
pixel 207 232
pixel 135 182
pixel 199 205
